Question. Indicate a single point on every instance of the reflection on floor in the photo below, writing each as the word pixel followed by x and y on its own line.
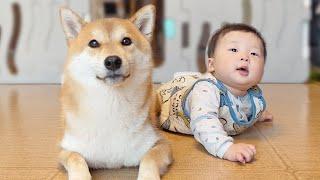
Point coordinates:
pixel 288 148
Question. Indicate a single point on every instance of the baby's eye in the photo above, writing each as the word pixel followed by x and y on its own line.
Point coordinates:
pixel 233 50
pixel 254 54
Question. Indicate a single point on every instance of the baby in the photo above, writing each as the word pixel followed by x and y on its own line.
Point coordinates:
pixel 226 100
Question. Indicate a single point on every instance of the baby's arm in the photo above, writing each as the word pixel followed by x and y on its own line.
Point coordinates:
pixel 203 104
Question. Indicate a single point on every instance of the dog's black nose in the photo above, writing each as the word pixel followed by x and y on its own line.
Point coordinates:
pixel 113 63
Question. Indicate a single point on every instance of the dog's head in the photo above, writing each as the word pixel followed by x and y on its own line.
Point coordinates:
pixel 111 50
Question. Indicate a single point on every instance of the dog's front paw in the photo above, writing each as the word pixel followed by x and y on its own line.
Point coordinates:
pixel 79 176
pixel 148 176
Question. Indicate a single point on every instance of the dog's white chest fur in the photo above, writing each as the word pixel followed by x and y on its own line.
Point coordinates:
pixel 108 131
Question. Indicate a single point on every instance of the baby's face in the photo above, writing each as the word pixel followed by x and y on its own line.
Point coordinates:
pixel 238 60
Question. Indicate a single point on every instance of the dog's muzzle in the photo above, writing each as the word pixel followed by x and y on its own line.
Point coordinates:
pixel 114 76
pixel 113 66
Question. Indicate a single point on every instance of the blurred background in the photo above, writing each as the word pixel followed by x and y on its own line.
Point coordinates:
pixel 33 47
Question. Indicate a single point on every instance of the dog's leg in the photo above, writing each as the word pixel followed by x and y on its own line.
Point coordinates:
pixel 155 110
pixel 155 161
pixel 75 164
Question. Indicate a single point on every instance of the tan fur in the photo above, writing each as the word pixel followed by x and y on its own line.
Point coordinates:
pixel 156 160
pixel 80 99
pixel 75 165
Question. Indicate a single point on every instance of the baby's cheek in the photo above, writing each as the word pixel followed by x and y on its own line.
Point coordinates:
pixel 258 68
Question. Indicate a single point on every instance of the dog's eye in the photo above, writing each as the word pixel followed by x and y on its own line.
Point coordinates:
pixel 94 43
pixel 126 41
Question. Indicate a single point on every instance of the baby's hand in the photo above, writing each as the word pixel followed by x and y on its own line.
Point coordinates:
pixel 240 152
pixel 266 116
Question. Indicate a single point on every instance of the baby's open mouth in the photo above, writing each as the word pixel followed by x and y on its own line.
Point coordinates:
pixel 244 71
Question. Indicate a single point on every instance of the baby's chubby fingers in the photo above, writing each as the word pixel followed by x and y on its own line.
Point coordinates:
pixel 240 152
pixel 247 155
pixel 249 151
pixel 252 148
pixel 240 158
pixel 266 117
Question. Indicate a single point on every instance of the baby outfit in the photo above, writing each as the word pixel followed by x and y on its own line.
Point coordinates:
pixel 201 105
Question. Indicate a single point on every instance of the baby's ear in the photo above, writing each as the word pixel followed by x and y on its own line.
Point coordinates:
pixel 210 67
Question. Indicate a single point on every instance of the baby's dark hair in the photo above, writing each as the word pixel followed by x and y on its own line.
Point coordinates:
pixel 212 44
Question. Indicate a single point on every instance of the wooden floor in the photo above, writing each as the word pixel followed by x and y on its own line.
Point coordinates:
pixel 288 148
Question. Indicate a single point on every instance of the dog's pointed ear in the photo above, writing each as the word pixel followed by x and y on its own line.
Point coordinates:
pixel 71 23
pixel 144 19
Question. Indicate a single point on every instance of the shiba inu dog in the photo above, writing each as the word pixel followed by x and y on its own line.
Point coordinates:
pixel 106 96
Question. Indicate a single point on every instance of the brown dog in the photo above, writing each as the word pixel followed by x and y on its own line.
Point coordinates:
pixel 107 96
